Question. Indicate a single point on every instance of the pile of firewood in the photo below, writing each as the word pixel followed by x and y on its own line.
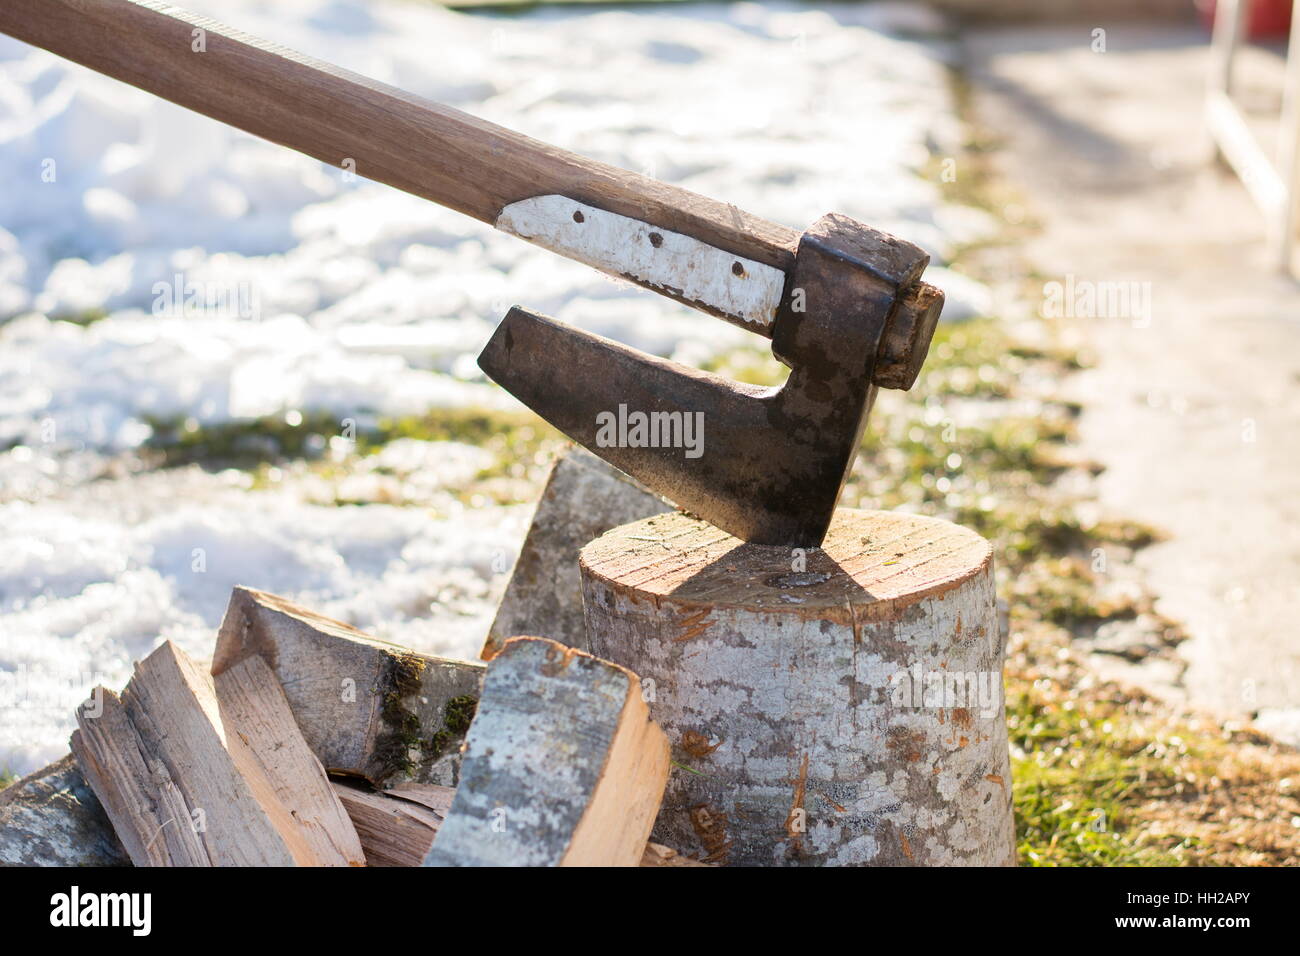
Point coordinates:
pixel 856 721
pixel 307 743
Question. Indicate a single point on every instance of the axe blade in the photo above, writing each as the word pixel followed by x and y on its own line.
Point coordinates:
pixel 722 450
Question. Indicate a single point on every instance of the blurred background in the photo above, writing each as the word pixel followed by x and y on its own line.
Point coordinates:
pixel 224 363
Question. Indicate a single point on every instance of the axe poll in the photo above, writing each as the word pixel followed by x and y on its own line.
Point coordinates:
pixel 843 304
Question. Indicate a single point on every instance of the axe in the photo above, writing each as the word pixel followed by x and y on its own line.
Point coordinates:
pixel 843 303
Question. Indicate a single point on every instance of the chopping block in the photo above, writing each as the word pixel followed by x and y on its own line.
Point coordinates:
pixel 840 705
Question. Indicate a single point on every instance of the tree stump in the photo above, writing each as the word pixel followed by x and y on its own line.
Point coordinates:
pixel 838 706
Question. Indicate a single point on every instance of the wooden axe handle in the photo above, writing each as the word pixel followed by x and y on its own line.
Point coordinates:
pixel 418 146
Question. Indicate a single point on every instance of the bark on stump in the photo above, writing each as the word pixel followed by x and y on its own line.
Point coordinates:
pixel 839 706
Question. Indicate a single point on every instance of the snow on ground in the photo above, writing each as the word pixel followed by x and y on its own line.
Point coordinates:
pixel 239 279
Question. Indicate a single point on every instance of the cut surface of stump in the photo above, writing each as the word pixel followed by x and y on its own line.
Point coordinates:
pixel 840 705
pixel 562 765
pixel 366 707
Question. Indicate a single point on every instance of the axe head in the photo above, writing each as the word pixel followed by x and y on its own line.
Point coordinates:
pixel 763 464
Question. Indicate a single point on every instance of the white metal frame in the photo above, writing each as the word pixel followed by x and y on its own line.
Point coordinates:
pixel 1275 186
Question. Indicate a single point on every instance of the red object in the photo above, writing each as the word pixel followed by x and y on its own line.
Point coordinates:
pixel 1267 20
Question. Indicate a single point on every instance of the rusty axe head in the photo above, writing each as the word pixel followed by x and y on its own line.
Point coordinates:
pixel 764 464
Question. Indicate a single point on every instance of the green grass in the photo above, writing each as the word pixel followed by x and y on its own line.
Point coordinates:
pixel 1105 776
pixel 1078 784
pixel 248 443
pixel 522 446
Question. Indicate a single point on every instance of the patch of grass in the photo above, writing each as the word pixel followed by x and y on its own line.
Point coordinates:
pixel 1077 782
pixel 242 444
pixel 970 178
pixel 83 317
pixel 6 778
pixel 522 445
pixel 1067 596
pixel 1104 775
pixel 964 445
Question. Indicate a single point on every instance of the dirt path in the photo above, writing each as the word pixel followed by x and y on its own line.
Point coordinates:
pixel 1193 404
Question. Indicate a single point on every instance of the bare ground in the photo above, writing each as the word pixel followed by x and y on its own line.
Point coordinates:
pixel 1193 404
